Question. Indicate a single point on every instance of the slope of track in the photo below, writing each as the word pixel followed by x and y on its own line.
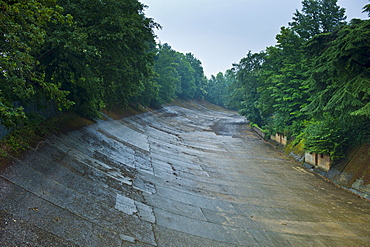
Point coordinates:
pixel 188 175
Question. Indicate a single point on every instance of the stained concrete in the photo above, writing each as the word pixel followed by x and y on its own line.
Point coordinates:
pixel 179 176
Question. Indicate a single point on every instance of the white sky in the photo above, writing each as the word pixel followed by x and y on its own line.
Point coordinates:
pixel 221 32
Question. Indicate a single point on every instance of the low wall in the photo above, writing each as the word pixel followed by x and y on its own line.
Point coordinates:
pixel 324 162
pixel 279 138
pixel 258 131
pixel 310 158
pixel 318 160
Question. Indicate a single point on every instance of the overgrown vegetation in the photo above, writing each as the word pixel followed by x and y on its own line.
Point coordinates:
pixel 313 86
pixel 85 56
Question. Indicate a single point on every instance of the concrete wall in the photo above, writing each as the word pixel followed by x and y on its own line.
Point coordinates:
pixel 318 160
pixel 310 158
pixel 280 138
pixel 258 131
pixel 323 162
pixel 273 138
pixel 283 139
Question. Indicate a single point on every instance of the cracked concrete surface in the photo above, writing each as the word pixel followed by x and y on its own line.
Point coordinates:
pixel 179 176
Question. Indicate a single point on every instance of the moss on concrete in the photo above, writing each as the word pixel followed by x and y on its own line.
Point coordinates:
pixel 295 148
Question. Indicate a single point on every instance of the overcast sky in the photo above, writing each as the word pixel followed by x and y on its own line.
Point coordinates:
pixel 221 32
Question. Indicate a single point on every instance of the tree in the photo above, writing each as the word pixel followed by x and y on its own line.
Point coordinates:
pixel 217 88
pixel 340 80
pixel 23 34
pixel 366 8
pixel 317 16
pixel 314 84
pixel 178 74
pixel 283 74
pixel 248 75
pixel 167 77
pixel 221 90
pixel 104 58
pixel 200 79
pixel 186 72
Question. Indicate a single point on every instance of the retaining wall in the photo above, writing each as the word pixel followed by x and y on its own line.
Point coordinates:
pixel 279 138
pixel 258 131
pixel 318 160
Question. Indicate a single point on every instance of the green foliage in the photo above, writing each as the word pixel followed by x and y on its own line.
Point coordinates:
pixel 85 54
pixel 219 89
pixel 11 116
pixel 340 78
pixel 366 8
pixel 282 79
pixel 314 85
pixel 317 16
pixel 104 57
pixel 187 85
pixel 177 75
pixel 23 25
pixel 167 77
pixel 24 137
pixel 248 76
pixel 199 77
pixel 295 147
pixel 332 135
pixel 326 137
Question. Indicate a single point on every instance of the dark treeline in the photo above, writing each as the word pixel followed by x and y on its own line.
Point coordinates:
pixel 85 55
pixel 313 85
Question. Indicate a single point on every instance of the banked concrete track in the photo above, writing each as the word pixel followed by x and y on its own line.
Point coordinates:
pixel 179 176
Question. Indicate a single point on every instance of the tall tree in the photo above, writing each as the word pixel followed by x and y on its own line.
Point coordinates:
pixel 248 74
pixel 167 77
pixel 22 25
pixel 217 87
pixel 200 79
pixel 340 78
pixel 103 58
pixel 281 94
pixel 317 16
pixel 186 72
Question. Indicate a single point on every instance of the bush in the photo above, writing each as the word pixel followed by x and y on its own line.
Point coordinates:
pixel 331 136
